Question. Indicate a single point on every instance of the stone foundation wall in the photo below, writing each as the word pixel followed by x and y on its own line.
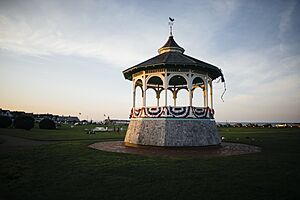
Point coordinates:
pixel 172 132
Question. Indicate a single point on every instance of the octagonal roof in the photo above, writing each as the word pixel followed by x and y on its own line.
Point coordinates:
pixel 171 55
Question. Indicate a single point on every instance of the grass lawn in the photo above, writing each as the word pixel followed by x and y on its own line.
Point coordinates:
pixel 71 170
pixel 63 133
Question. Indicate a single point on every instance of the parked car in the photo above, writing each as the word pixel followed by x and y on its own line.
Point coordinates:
pixel 97 129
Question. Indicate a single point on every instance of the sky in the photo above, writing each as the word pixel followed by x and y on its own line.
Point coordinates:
pixel 66 57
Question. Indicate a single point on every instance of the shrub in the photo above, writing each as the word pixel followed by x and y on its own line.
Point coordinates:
pixel 24 122
pixel 47 124
pixel 5 121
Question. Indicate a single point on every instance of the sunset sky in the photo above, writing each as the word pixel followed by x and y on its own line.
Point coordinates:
pixel 66 57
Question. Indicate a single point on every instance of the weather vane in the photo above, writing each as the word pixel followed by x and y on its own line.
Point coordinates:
pixel 171 25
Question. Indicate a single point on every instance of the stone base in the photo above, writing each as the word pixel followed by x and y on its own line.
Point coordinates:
pixel 170 132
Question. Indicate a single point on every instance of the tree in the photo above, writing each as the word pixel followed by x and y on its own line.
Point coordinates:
pixel 5 121
pixel 24 122
pixel 47 123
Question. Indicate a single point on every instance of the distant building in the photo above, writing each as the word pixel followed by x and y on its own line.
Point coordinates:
pixel 67 119
pixel 119 121
pixel 39 117
pixel 57 118
pixel 5 113
pixel 17 113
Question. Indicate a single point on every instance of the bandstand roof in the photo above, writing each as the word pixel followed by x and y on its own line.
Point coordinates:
pixel 171 56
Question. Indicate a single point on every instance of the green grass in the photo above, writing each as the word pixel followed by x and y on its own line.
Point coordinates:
pixel 62 133
pixel 71 170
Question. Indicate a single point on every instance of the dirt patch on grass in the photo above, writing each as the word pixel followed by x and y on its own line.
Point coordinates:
pixel 225 149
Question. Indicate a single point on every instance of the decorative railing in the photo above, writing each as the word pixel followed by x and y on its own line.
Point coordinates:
pixel 172 112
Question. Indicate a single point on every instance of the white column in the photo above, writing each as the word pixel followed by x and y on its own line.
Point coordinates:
pixel 133 93
pixel 205 93
pixel 158 96
pixel 166 85
pixel 204 103
pixel 211 94
pixel 190 85
pixel 144 91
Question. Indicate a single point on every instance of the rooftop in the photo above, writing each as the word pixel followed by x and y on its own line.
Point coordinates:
pixel 171 55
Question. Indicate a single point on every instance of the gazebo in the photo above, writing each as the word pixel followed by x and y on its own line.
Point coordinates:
pixel 172 125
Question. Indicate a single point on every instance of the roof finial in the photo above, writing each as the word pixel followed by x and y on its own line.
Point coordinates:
pixel 171 20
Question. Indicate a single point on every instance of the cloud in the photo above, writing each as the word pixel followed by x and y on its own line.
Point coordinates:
pixel 276 101
pixel 261 84
pixel 285 25
pixel 88 29
pixel 285 18
pixel 23 38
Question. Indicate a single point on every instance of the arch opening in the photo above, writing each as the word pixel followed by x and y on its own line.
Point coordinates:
pixel 182 98
pixel 198 97
pixel 139 83
pixel 170 101
pixel 177 80
pixel 155 80
pixel 138 97
pixel 198 82
pixel 151 95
